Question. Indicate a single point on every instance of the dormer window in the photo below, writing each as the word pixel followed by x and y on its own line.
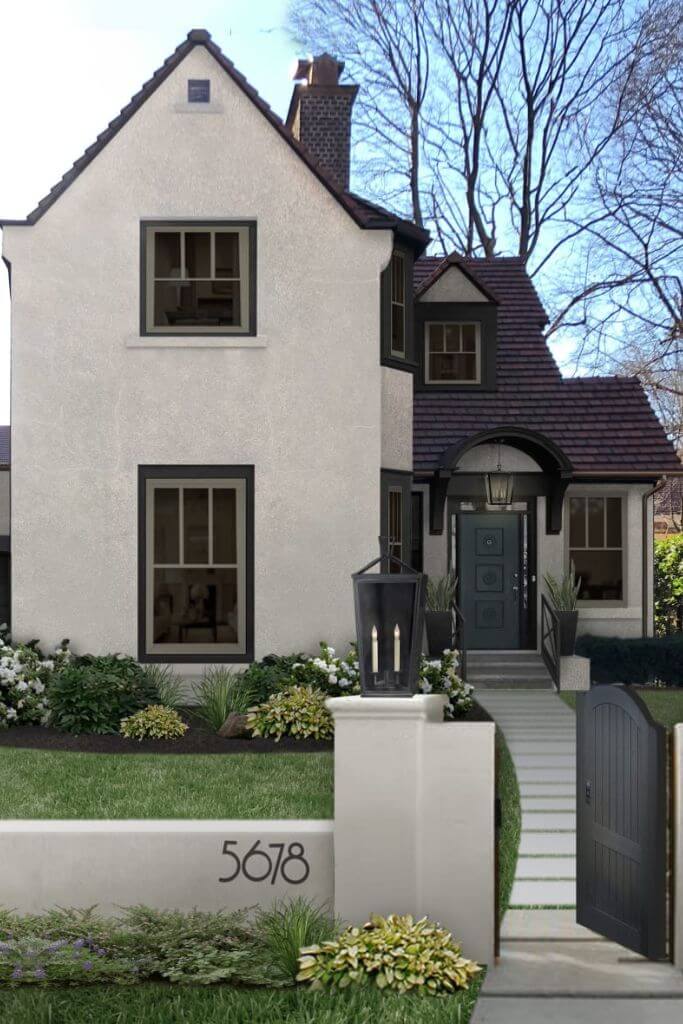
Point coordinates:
pixel 398 305
pixel 452 353
pixel 198 90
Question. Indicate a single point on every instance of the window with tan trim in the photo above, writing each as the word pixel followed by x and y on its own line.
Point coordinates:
pixel 596 546
pixel 199 278
pixel 452 353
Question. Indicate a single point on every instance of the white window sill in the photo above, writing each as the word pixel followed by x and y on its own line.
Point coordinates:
pixel 198 108
pixel 196 341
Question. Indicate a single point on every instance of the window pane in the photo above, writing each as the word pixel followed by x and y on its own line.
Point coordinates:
pixel 614 522
pixel 452 337
pixel 195 606
pixel 166 525
pixel 601 574
pixel 469 338
pixel 198 253
pixel 227 254
pixel 196 524
pixel 397 333
pixel 397 277
pixel 577 522
pixel 466 366
pixel 596 522
pixel 436 337
pixel 167 254
pixel 224 525
pixel 197 303
pixel 167 303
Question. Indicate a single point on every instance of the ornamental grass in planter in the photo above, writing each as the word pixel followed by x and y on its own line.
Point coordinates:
pixel 564 595
pixel 439 613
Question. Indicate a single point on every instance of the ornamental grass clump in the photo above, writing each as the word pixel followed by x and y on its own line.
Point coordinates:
pixel 392 953
pixel 298 711
pixel 155 722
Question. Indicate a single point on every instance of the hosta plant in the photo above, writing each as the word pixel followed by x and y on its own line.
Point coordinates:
pixel 440 675
pixel 336 676
pixel 154 722
pixel 25 675
pixel 394 953
pixel 298 711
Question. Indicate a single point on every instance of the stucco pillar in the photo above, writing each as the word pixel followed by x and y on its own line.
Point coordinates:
pixel 414 827
pixel 575 673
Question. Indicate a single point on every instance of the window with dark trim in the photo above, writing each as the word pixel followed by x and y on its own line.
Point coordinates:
pixel 198 90
pixel 452 353
pixel 395 520
pixel 198 277
pixel 596 546
pixel 196 554
pixel 416 529
pixel 398 305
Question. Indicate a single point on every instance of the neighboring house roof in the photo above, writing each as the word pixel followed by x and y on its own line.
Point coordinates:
pixel 669 499
pixel 602 424
pixel 4 446
pixel 366 215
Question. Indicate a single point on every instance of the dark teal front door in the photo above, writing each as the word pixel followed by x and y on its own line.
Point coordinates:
pixel 489 579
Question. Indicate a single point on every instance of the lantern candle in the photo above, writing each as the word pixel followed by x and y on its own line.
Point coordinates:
pixel 397 648
pixel 375 651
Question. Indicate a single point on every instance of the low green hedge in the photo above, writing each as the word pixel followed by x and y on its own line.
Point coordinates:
pixel 642 660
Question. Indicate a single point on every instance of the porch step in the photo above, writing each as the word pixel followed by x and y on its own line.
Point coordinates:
pixel 498 670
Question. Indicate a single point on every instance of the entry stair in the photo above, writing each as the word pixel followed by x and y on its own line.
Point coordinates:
pixel 507 670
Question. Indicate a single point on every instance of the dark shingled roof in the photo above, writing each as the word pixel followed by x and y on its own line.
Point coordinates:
pixel 365 214
pixel 602 424
pixel 4 445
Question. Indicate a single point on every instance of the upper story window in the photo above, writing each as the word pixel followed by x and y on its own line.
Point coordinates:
pixel 198 90
pixel 596 547
pixel 199 278
pixel 398 305
pixel 452 353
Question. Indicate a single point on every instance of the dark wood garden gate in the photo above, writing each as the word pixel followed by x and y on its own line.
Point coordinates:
pixel 622 810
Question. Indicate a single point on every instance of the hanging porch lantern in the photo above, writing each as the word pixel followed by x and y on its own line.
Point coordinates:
pixel 389 625
pixel 498 485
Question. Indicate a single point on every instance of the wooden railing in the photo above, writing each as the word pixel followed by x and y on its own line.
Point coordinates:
pixel 550 639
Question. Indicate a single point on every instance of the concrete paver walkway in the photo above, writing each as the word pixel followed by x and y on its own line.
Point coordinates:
pixel 551 970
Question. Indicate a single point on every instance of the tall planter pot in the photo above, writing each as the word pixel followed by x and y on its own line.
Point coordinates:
pixel 439 632
pixel 568 624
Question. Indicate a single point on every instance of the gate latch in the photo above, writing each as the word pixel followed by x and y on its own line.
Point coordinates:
pixel 588 792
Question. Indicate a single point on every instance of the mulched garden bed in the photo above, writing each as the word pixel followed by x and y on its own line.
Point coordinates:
pixel 199 739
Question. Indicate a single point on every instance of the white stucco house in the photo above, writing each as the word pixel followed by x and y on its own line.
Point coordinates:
pixel 230 374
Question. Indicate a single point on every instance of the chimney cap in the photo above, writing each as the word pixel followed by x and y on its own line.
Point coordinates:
pixel 321 70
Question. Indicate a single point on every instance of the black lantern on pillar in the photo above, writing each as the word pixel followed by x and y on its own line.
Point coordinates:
pixel 389 626
pixel 498 485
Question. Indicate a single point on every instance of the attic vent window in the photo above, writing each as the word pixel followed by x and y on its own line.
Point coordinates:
pixel 198 90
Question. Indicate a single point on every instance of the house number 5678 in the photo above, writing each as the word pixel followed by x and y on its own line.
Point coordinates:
pixel 257 865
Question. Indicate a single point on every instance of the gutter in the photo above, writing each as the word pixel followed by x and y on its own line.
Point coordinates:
pixel 646 497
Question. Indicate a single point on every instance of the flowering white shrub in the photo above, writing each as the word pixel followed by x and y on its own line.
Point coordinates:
pixel 24 677
pixel 440 675
pixel 335 676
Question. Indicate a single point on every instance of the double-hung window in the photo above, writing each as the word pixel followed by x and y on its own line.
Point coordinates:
pixel 596 546
pixel 398 305
pixel 197 553
pixel 199 278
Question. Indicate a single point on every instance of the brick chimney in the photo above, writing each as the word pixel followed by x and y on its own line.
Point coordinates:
pixel 320 115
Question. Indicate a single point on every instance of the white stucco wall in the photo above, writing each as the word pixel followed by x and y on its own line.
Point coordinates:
pixel 304 408
pixel 4 503
pixel 453 286
pixel 397 419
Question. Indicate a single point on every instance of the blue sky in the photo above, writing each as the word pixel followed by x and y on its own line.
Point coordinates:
pixel 69 66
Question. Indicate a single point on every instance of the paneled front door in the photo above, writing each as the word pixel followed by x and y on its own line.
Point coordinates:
pixel 489 574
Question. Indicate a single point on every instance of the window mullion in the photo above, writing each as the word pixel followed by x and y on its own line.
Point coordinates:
pixel 181 525
pixel 182 267
pixel 210 524
pixel 212 255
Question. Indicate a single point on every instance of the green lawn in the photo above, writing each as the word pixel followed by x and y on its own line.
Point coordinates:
pixel 55 784
pixel 156 1004
pixel 666 706
pixel 507 791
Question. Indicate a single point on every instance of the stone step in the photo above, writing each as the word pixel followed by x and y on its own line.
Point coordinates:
pixel 542 746
pixel 548 821
pixel 548 893
pixel 602 1008
pixel 545 761
pixel 539 925
pixel 546 775
pixel 549 803
pixel 546 867
pixel 549 844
